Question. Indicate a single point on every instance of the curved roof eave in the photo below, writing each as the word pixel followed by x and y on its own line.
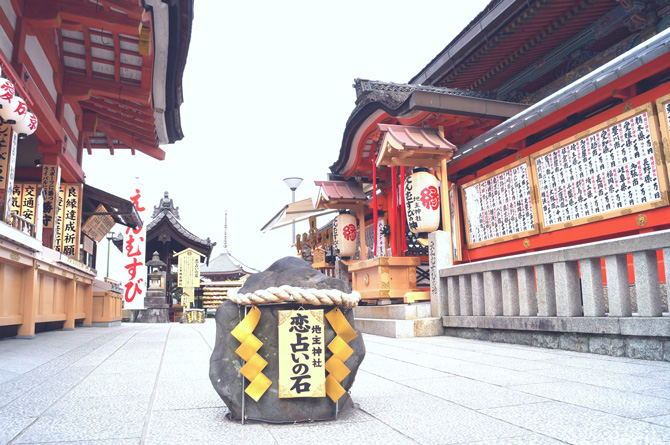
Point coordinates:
pixel 400 99
pixel 172 36
pixel 473 35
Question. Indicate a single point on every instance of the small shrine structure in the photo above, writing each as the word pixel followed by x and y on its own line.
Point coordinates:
pixel 167 236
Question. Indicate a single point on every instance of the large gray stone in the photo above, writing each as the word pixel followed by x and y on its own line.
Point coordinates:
pixel 292 271
pixel 644 348
pixel 542 340
pixel 225 364
pixel 574 342
pixel 611 346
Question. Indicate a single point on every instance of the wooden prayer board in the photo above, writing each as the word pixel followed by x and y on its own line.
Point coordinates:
pixel 500 206
pixel 663 108
pixel 610 170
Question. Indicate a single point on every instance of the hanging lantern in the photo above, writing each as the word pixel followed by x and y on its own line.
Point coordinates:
pixel 344 235
pixel 422 202
pixel 15 111
pixel 27 126
pixel 6 91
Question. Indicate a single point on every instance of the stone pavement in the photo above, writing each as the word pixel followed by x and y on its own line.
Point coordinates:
pixel 141 383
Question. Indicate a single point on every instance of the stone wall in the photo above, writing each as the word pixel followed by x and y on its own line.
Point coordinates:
pixel 646 348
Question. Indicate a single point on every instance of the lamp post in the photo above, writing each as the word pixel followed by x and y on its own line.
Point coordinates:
pixel 110 237
pixel 293 183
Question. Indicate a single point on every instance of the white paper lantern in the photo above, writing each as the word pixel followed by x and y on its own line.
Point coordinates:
pixel 6 91
pixel 344 235
pixel 27 126
pixel 422 202
pixel 15 111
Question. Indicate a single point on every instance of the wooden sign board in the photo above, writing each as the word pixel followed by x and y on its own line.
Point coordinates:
pixel 456 241
pixel 70 226
pixel 188 270
pixel 51 185
pixel 302 357
pixel 500 206
pixel 97 226
pixel 610 170
pixel 663 108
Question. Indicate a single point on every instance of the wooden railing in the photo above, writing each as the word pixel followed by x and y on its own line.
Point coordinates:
pixel 22 224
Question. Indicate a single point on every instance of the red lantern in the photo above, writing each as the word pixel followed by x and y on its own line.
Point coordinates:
pixel 422 202
pixel 27 126
pixel 15 111
pixel 344 235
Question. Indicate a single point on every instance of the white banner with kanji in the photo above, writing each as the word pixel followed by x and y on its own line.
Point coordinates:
pixel 134 255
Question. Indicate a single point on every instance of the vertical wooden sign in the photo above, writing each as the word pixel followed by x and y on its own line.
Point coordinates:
pixel 51 186
pixel 8 143
pixel 301 354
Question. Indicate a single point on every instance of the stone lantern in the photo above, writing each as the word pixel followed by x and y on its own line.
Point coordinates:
pixel 156 267
pixel 156 309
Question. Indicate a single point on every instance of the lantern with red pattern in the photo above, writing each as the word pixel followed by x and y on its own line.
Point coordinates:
pixel 27 126
pixel 14 111
pixel 422 202
pixel 6 91
pixel 344 235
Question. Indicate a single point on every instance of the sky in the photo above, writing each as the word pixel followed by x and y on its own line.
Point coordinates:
pixel 267 93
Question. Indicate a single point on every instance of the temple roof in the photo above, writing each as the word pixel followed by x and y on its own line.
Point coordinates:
pixel 166 228
pixel 225 264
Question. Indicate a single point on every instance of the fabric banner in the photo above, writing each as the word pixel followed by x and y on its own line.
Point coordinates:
pixel 134 255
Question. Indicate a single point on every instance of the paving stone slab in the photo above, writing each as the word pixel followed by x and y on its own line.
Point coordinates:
pixel 623 382
pixel 608 400
pixel 471 393
pixel 577 425
pixel 10 427
pixel 660 420
pixel 203 426
pixel 396 370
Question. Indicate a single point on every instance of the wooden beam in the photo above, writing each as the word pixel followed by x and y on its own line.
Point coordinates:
pixel 127 122
pixel 88 57
pixel 89 122
pixel 47 13
pixel 115 107
pixel 137 132
pixel 133 143
pixel 134 11
pixel 82 87
pixel 117 58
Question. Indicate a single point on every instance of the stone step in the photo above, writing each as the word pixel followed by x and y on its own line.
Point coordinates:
pixel 424 327
pixel 394 311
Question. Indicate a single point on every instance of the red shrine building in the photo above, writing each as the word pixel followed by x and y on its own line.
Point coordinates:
pixel 544 128
pixel 76 76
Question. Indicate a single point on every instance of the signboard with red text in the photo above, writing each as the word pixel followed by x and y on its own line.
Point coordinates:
pixel 134 254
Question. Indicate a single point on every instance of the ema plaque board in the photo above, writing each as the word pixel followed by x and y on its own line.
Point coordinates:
pixel 610 170
pixel 499 206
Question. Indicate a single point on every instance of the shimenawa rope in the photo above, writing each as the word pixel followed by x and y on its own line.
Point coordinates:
pixel 316 297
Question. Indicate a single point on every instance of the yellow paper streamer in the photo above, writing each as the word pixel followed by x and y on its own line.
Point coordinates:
pixel 335 366
pixel 248 349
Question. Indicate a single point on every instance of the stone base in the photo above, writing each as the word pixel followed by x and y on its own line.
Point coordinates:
pixel 153 315
pixel 105 324
pixel 649 348
pixel 398 321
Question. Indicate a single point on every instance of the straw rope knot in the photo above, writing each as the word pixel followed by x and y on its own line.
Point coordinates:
pixel 314 297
